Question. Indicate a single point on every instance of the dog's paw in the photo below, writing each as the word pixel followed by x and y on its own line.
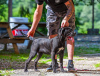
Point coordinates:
pixel 25 70
pixel 36 70
pixel 62 70
pixel 54 71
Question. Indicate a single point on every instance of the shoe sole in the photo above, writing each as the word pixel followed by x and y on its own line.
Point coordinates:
pixel 72 71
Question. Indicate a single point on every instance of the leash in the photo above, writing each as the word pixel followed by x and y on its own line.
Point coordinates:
pixel 80 69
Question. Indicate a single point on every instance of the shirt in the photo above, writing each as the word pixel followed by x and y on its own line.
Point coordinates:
pixel 56 5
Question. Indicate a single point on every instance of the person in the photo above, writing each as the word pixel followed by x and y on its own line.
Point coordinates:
pixel 57 10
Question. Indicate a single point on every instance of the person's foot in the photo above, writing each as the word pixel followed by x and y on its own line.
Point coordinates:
pixel 71 68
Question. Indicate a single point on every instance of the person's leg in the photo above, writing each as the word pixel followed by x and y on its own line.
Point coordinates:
pixel 70 45
pixel 70 49
pixel 52 24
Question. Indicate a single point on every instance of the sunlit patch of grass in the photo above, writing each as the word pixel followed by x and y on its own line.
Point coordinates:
pixel 6 72
pixel 18 57
pixel 10 57
pixel 85 50
pixel 97 65
pixel 43 61
pixel 14 57
pixel 46 56
pixel 79 59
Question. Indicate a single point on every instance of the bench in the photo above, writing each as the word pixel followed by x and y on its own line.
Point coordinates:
pixel 15 40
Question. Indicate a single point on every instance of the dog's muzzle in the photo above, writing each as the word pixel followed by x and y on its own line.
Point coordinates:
pixel 71 36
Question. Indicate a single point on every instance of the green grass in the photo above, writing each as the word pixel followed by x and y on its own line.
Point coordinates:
pixel 44 60
pixel 85 50
pixel 6 72
pixel 22 57
pixel 14 57
pixel 79 59
pixel 18 57
pixel 97 65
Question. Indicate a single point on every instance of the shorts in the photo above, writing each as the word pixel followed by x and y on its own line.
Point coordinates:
pixel 53 21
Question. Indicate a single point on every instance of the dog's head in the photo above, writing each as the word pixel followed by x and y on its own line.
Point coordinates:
pixel 65 32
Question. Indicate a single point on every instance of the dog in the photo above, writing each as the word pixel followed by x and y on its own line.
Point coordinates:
pixel 52 46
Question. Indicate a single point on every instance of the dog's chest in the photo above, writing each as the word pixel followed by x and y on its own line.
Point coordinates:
pixel 61 48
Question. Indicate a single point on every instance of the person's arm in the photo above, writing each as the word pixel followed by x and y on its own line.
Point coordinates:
pixel 36 19
pixel 71 9
pixel 69 4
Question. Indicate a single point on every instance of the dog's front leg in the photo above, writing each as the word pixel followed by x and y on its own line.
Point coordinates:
pixel 36 60
pixel 61 54
pixel 53 61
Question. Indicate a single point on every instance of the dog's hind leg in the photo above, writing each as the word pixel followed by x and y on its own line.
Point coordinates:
pixel 32 55
pixel 36 61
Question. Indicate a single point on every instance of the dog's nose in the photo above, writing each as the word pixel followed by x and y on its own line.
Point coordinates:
pixel 74 33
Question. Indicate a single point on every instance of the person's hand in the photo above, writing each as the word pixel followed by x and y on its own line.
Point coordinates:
pixel 64 23
pixel 30 33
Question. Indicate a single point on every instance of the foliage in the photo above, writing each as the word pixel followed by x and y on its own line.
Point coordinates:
pixel 2 2
pixel 26 8
pixel 3 10
pixel 86 18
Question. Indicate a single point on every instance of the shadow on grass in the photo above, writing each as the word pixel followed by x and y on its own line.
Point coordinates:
pixel 10 60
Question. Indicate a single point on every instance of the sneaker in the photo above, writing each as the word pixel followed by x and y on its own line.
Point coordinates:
pixel 71 68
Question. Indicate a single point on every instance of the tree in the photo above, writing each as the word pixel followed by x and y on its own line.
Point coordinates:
pixel 3 10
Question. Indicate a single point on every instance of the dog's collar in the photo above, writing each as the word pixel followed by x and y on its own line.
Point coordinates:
pixel 62 35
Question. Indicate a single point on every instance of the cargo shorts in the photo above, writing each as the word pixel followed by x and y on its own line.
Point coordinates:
pixel 53 21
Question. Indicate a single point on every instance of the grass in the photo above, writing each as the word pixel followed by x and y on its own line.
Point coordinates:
pixel 22 57
pixel 85 50
pixel 18 57
pixel 79 59
pixel 6 72
pixel 97 65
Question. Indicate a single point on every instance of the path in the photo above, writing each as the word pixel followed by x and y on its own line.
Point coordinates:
pixel 82 62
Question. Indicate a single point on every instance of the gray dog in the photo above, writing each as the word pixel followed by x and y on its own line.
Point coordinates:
pixel 52 46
